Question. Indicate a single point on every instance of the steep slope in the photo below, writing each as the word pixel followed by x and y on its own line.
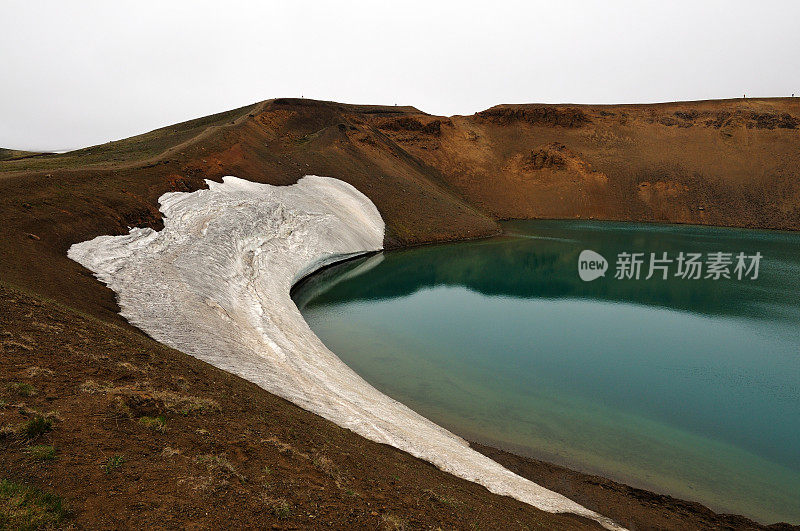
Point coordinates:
pixel 215 283
pixel 732 162
pixel 145 437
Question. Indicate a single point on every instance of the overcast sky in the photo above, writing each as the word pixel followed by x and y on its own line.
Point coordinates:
pixel 73 74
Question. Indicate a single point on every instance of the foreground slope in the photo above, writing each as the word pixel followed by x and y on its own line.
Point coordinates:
pixel 432 178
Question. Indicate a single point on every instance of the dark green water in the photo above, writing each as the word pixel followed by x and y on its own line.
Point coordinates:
pixel 686 387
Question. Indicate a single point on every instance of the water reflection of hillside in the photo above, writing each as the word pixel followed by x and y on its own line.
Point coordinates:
pixel 539 259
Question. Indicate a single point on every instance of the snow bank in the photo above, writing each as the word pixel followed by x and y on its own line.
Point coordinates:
pixel 215 282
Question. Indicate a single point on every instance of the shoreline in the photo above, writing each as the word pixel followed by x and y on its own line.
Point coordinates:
pixel 215 284
pixel 542 467
pixel 428 201
pixel 630 506
pixel 279 435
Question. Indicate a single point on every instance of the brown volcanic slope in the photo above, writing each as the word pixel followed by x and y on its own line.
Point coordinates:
pixel 715 162
pixel 433 179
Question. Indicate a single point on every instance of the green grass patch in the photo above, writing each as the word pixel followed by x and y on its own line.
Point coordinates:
pixel 113 463
pixel 36 426
pixel 280 509
pixel 27 507
pixel 154 423
pixel 42 452
pixel 23 389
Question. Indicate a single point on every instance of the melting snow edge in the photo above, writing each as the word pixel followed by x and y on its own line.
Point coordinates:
pixel 215 283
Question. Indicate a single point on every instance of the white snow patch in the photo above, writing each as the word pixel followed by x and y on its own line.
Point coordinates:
pixel 215 282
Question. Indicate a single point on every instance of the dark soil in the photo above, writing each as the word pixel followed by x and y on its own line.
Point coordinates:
pixel 633 508
pixel 148 437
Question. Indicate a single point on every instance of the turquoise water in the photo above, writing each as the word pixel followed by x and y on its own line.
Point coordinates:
pixel 686 387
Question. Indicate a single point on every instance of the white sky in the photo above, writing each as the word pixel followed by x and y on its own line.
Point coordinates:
pixel 77 73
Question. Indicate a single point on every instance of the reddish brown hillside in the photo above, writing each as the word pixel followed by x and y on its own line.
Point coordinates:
pixel 433 178
pixel 733 162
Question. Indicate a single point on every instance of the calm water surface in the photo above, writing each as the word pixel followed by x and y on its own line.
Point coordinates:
pixel 687 387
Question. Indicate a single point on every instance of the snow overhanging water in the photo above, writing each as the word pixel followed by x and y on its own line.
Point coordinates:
pixel 215 283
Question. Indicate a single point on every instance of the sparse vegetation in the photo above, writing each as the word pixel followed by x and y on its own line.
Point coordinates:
pixel 120 408
pixel 154 423
pixel 36 426
pixel 23 389
pixel 27 507
pixel 220 472
pixel 215 462
pixel 91 387
pixel 34 372
pixel 325 465
pixel 130 399
pixel 280 509
pixel 169 451
pixel 113 463
pixel 136 148
pixel 42 452
pixel 187 405
pixel 128 366
pixel 441 498
pixel 392 522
